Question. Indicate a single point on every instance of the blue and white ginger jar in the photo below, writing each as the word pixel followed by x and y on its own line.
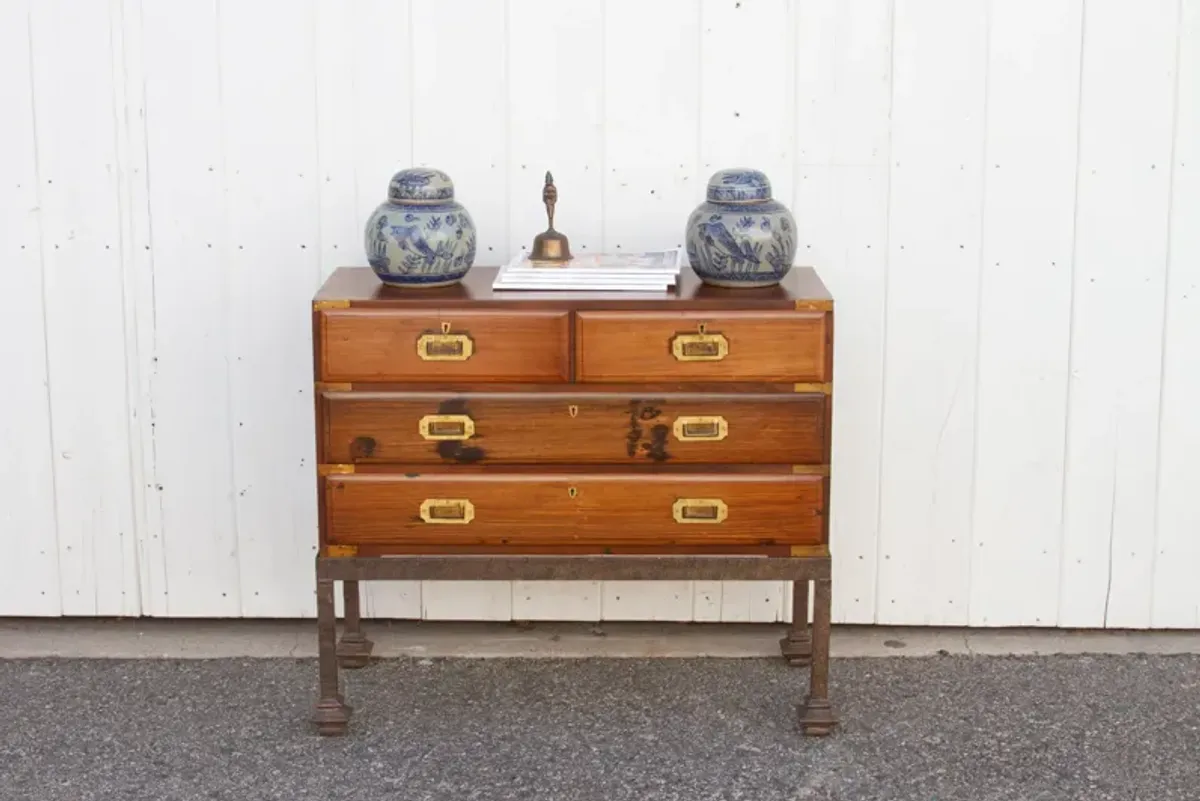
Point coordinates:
pixel 421 236
pixel 739 236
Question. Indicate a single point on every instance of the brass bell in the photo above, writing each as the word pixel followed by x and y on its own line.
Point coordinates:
pixel 550 248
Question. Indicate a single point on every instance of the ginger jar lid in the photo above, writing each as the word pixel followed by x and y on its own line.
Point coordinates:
pixel 420 185
pixel 739 185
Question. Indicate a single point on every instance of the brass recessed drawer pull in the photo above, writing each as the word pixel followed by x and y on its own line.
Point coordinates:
pixel 700 510
pixel 699 347
pixel 689 429
pixel 447 510
pixel 446 426
pixel 445 347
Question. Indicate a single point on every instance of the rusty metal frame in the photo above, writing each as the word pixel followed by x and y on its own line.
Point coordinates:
pixel 572 568
pixel 803 646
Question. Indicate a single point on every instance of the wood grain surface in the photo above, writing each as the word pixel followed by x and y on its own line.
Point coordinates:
pixel 377 509
pixel 580 427
pixel 761 346
pixel 358 286
pixel 382 345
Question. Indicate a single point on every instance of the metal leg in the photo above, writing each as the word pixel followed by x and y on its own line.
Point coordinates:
pixel 816 715
pixel 797 645
pixel 331 714
pixel 354 649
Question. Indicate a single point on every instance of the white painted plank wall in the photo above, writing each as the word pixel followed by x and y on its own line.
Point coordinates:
pixel 1024 309
pixel 192 558
pixel 654 110
pixel 843 137
pixel 28 513
pixel 1126 134
pixel 556 120
pixel 939 115
pixel 82 276
pixel 1177 509
pixel 1002 196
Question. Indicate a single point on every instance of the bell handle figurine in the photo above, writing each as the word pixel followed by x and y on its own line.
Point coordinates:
pixel 549 198
pixel 550 248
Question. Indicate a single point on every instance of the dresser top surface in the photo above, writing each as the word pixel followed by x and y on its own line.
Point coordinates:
pixel 360 287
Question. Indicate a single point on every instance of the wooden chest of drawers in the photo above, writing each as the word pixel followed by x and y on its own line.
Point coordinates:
pixel 467 434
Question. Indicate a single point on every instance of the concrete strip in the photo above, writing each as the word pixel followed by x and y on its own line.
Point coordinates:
pixel 206 639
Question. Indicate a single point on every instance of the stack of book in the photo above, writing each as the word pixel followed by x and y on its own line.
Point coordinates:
pixel 612 272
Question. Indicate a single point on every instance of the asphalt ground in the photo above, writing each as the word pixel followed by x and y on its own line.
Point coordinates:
pixel 942 727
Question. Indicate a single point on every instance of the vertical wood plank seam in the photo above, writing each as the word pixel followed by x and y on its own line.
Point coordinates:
pixel 603 157
pixel 783 610
pixel 795 199
pixel 227 293
pixel 412 94
pixel 116 97
pixel 359 213
pixel 508 206
pixel 1112 517
pixel 1166 310
pixel 316 120
pixel 318 153
pixel 887 250
pixel 698 175
pixel 353 90
pixel 1066 451
pixel 146 341
pixel 37 172
pixel 154 499
pixel 145 309
pixel 983 198
pixel 699 172
pixel 125 70
pixel 412 155
pixel 793 8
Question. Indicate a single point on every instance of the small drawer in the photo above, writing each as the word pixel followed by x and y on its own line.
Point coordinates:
pixel 592 509
pixel 393 345
pixel 572 428
pixel 786 346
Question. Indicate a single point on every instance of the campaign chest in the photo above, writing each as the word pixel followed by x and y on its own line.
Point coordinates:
pixel 466 433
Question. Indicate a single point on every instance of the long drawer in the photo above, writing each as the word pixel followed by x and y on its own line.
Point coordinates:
pixel 572 428
pixel 532 509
